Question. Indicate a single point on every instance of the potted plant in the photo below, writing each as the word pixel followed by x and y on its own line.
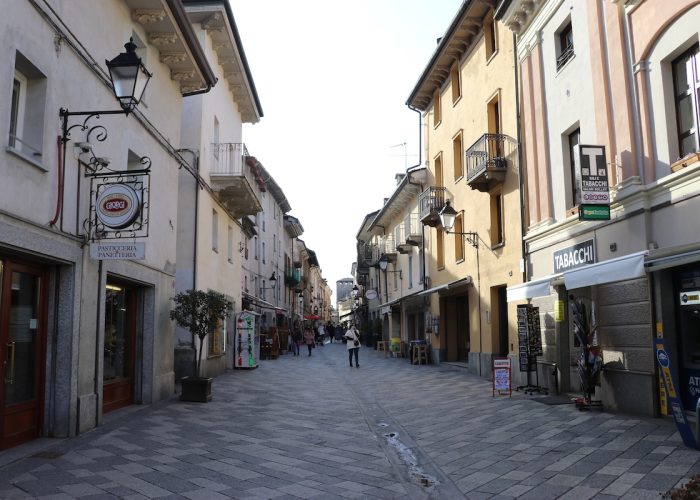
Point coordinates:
pixel 200 313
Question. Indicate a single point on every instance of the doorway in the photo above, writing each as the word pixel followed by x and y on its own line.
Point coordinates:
pixel 687 298
pixel 22 351
pixel 119 346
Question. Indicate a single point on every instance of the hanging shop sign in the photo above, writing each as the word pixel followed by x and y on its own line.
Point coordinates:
pixel 371 294
pixel 117 251
pixel 674 401
pixel 579 255
pixel 594 175
pixel 119 205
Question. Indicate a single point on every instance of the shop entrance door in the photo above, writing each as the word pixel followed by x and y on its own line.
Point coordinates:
pixel 119 342
pixel 22 348
pixel 688 307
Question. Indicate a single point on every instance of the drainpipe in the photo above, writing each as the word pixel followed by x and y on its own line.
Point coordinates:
pixel 521 182
pixel 195 156
pixel 419 164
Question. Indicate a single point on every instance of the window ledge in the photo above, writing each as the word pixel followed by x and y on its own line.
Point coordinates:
pixel 454 102
pixel 498 245
pixel 33 162
pixel 490 58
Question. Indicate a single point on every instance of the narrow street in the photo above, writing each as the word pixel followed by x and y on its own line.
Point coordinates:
pixel 312 427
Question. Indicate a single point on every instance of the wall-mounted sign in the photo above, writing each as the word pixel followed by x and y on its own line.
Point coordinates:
pixel 118 205
pixel 594 175
pixel 581 254
pixel 594 212
pixel 117 251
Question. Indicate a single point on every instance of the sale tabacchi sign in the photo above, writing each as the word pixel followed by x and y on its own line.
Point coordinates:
pixel 594 175
pixel 118 206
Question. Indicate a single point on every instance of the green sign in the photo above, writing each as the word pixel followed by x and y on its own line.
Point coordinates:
pixel 594 212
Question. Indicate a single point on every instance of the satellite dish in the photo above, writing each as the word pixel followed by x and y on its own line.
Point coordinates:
pixel 371 294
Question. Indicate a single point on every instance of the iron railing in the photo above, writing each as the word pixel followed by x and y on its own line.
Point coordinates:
pixel 431 200
pixel 489 153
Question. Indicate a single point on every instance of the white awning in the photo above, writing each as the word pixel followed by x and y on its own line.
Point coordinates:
pixel 673 260
pixel 622 268
pixel 447 286
pixel 536 288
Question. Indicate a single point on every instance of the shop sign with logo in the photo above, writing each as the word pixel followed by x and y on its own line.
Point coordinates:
pixel 119 206
pixel 579 255
pixel 595 193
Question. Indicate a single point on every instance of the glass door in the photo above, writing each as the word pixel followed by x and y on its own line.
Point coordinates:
pixel 118 352
pixel 22 347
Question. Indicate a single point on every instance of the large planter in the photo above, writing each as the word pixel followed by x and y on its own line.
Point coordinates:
pixel 196 389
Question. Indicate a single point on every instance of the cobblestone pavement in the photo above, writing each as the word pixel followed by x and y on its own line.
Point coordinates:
pixel 312 427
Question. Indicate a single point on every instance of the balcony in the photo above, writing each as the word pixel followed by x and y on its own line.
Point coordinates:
pixel 388 247
pixel 431 202
pixel 234 179
pixel 412 230
pixel 400 237
pixel 487 161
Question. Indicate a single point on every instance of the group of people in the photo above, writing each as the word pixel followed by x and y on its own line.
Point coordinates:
pixel 313 335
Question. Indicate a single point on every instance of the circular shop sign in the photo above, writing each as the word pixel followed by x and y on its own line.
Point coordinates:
pixel 118 206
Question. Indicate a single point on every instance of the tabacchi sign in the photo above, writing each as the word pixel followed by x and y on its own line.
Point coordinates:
pixel 594 175
pixel 575 256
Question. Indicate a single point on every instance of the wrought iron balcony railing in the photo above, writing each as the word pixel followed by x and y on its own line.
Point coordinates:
pixel 430 203
pixel 487 160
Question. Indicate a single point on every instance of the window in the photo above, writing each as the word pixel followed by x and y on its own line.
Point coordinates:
pixel 396 278
pixel 565 45
pixel 459 239
pixel 574 168
pixel 438 171
pixel 229 238
pixel 440 249
pixel 262 216
pixel 26 133
pixel 686 85
pixel 458 156
pixel 455 83
pixel 437 108
pixel 493 111
pixel 255 248
pixel 217 340
pixel 410 271
pixel 263 252
pixel 216 140
pixel 497 220
pixel 490 36
pixel 214 231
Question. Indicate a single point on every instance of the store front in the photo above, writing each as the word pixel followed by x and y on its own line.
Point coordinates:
pixel 23 310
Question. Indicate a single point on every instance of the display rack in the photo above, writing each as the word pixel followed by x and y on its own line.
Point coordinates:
pixel 529 347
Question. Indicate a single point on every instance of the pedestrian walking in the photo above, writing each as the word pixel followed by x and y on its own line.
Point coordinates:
pixel 331 331
pixel 353 341
pixel 296 341
pixel 309 338
pixel 321 335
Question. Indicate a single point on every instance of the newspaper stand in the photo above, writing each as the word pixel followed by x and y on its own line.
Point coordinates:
pixel 529 346
pixel 502 380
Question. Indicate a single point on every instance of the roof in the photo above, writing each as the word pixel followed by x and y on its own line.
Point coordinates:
pixel 229 50
pixel 459 38
pixel 405 193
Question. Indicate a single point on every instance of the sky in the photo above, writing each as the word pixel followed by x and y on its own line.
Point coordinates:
pixel 333 79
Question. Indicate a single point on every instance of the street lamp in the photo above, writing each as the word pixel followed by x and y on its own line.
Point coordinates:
pixel 384 262
pixel 273 282
pixel 129 78
pixel 447 218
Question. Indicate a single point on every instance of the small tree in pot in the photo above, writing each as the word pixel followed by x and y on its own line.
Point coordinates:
pixel 201 313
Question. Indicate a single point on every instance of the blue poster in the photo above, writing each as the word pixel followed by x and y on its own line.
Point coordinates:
pixel 674 400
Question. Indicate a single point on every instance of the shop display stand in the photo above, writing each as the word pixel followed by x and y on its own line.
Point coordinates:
pixel 529 347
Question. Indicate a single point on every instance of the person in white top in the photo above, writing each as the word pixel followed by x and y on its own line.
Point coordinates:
pixel 353 341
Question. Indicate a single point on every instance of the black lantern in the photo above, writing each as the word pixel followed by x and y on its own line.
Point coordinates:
pixel 273 279
pixel 447 218
pixel 129 77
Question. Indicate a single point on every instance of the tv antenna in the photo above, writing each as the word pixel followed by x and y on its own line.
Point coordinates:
pixel 405 153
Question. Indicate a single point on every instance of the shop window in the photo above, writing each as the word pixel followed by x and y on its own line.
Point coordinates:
pixel 686 85
pixel 458 156
pixel 497 237
pixel 565 45
pixel 217 340
pixel 437 108
pixel 459 239
pixel 455 83
pixel 26 134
